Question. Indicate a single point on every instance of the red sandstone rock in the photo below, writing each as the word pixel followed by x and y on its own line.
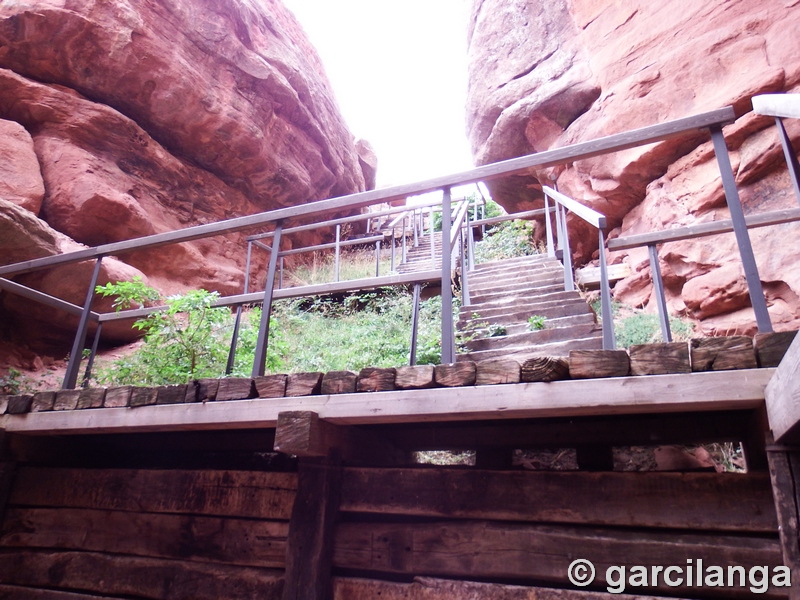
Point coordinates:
pixel 648 63
pixel 20 178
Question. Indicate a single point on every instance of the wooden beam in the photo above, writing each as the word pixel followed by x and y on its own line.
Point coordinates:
pixel 304 434
pixel 685 501
pixel 716 390
pixel 604 145
pixel 783 396
pixel 784 469
pixel 311 531
pixel 777 217
pixel 777 105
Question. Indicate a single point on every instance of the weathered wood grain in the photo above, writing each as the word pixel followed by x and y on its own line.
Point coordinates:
pixel 13 592
pixel 271 386
pixel 428 588
pixel 141 396
pixel 480 550
pixel 660 359
pixel 455 374
pixel 787 507
pixel 545 368
pixel 171 394
pixel 19 405
pixel 235 388
pixel 373 379
pixel 43 401
pixel 66 399
pixel 136 577
pixel 772 347
pixel 590 364
pixel 311 531
pixel 783 396
pixel 117 397
pixel 207 389
pixel 8 472
pixel 497 371
pixel 245 542
pixel 414 377
pixel 303 384
pixel 700 501
pixel 723 353
pixel 248 494
pixel 91 398
pixel 338 382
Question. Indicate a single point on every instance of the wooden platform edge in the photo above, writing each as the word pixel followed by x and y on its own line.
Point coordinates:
pixel 783 395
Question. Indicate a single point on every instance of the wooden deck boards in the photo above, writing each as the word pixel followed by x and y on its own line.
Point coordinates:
pixel 690 392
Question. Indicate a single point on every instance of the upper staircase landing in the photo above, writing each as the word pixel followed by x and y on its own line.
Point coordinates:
pixel 505 295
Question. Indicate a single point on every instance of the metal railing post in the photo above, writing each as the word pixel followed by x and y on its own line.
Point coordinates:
pixel 548 226
pixel 76 354
pixel 791 158
pixel 237 321
pixel 338 250
pixel 415 221
pixel 392 259
pixel 740 230
pixel 658 290
pixel 280 277
pixel 464 278
pixel 404 230
pixel 262 343
pixel 609 339
pixel 448 333
pixel 412 360
pixel 569 277
pixel 431 235
pixel 377 259
pixel 87 375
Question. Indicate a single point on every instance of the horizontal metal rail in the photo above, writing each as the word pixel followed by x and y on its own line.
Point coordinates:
pixel 548 158
pixel 589 215
pixel 784 106
pixel 526 214
pixel 328 246
pixel 664 236
pixel 352 285
pixel 46 299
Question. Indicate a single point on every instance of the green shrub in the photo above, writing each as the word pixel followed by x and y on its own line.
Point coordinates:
pixel 536 322
pixel 506 240
pixel 633 326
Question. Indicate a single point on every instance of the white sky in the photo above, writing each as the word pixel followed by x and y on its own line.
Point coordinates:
pixel 398 70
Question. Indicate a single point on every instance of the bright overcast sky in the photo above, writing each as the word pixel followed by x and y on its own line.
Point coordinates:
pixel 398 69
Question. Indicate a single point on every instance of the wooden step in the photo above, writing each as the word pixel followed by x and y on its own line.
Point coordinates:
pixel 522 353
pixel 522 326
pixel 517 301
pixel 482 295
pixel 554 311
pixel 542 336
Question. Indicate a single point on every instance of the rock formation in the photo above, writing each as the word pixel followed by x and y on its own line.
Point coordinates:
pixel 549 74
pixel 123 119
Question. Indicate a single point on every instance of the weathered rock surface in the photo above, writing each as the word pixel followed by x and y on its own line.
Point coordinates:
pixel 124 119
pixel 549 74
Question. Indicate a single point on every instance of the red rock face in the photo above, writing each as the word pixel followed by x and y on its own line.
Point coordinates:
pixel 124 119
pixel 549 74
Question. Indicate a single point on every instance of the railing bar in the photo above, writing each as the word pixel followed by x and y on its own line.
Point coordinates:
pixel 329 245
pixel 262 342
pixel 551 252
pixel 791 158
pixel 76 354
pixel 377 259
pixel 87 375
pixel 740 230
pixel 414 325
pixel 338 246
pixel 658 290
pixel 238 319
pixel 569 276
pixel 589 215
pixel 42 298
pixel 464 269
pixel 609 339
pixel 448 333
pixel 392 255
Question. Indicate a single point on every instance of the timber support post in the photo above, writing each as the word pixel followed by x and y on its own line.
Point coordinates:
pixel 784 472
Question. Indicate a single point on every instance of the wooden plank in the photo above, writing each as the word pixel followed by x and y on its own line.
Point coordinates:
pixel 207 389
pixel 783 396
pixel 497 371
pixel 715 390
pixel 429 588
pixel 245 542
pixel 604 145
pixel 339 382
pixel 777 217
pixel 142 396
pixel 271 386
pixel 777 105
pixel 414 377
pixel 693 501
pixel 66 399
pixel 589 277
pixel 545 368
pixel 235 388
pixel 135 577
pixel 589 364
pixel 91 398
pixel 303 384
pixel 373 379
pixel 8 472
pixel 247 494
pixel 660 359
pixel 772 347
pixel 311 531
pixel 787 507
pixel 171 394
pixel 12 592
pixel 19 405
pixel 479 550
pixel 723 353
pixel 43 401
pixel 117 397
pixel 455 374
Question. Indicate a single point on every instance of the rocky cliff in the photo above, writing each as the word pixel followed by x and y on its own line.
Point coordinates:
pixel 548 74
pixel 127 118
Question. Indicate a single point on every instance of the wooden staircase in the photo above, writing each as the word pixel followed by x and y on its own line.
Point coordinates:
pixel 504 295
pixel 419 258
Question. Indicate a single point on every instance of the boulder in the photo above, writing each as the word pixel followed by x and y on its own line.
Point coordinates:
pixel 549 74
pixel 20 177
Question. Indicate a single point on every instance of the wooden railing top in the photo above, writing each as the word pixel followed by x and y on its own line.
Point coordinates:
pixel 777 105
pixel 589 215
pixel 548 158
